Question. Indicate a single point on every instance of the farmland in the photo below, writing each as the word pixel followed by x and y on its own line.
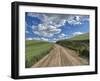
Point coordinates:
pixel 45 54
pixel 81 37
pixel 35 50
pixel 79 43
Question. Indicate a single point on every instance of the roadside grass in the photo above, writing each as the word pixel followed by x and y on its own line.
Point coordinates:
pixel 80 46
pixel 78 43
pixel 35 50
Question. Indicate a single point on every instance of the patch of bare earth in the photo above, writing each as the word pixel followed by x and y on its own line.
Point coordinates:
pixel 59 56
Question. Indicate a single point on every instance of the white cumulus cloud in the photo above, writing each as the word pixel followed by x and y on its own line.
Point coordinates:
pixel 29 38
pixel 36 38
pixel 44 39
pixel 51 24
pixel 27 32
pixel 46 30
pixel 77 33
pixel 75 20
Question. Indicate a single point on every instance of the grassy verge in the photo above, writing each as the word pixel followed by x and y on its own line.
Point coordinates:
pixel 35 50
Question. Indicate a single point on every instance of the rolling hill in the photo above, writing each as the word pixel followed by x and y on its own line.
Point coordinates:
pixel 79 43
pixel 81 37
pixel 35 50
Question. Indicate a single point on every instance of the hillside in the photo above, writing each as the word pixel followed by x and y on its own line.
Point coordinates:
pixel 81 37
pixel 35 50
pixel 79 43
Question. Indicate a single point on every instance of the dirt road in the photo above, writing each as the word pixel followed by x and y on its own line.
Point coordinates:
pixel 59 56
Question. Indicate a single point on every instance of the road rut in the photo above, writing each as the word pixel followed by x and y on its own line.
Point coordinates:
pixel 59 56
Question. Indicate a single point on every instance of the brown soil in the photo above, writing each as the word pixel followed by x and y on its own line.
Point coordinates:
pixel 59 56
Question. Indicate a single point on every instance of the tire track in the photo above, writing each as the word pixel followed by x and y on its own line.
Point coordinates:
pixel 59 56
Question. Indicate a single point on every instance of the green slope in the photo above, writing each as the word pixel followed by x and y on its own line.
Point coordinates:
pixel 81 37
pixel 35 50
pixel 79 43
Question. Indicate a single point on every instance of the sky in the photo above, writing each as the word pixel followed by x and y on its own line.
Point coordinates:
pixel 53 27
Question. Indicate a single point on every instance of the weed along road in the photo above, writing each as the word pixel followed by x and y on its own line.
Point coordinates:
pixel 60 56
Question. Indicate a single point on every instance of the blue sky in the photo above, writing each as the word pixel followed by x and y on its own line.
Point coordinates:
pixel 53 27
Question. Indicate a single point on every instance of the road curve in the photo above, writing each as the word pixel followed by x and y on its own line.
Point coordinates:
pixel 59 56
